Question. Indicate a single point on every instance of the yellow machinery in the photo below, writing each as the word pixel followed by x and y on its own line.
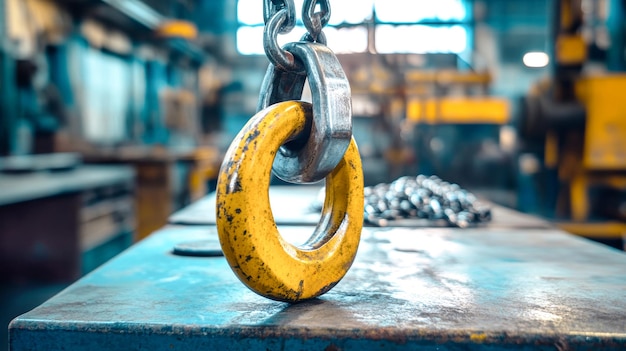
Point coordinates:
pixel 605 133
pixel 424 107
pixel 588 154
pixel 602 159
pixel 459 110
pixel 594 156
pixel 418 107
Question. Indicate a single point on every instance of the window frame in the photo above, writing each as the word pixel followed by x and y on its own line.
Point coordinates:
pixel 373 23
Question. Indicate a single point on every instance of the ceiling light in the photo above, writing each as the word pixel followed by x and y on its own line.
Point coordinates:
pixel 536 59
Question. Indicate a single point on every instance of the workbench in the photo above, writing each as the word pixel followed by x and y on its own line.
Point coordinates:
pixel 293 206
pixel 15 188
pixel 56 226
pixel 166 179
pixel 432 289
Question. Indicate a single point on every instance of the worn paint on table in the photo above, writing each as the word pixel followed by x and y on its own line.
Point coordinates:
pixel 432 289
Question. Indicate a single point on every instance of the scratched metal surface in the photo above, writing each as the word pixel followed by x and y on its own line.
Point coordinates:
pixel 294 208
pixel 432 289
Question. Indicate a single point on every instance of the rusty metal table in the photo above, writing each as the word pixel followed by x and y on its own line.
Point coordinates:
pixel 427 289
pixel 292 206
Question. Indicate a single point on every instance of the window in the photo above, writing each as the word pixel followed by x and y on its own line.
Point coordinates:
pixel 343 40
pixel 421 39
pixel 422 26
pixel 400 26
pixel 415 11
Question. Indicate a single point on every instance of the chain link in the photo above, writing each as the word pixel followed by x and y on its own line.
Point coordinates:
pixel 278 56
pixel 315 21
pixel 321 38
pixel 430 199
pixel 280 18
pixel 271 8
pixel 424 197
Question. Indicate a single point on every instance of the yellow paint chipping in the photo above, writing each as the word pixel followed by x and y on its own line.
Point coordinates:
pixel 252 245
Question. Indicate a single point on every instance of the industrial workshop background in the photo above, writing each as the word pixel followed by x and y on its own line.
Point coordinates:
pixel 114 114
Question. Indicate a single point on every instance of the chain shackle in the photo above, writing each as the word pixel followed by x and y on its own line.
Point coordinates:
pixel 331 129
pixel 321 38
pixel 271 9
pixel 315 21
pixel 280 18
pixel 277 55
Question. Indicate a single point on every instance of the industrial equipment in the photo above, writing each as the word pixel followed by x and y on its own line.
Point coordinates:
pixel 417 263
pixel 318 144
pixel 579 119
pixel 429 114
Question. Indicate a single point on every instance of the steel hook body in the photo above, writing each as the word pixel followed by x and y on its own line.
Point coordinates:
pixel 331 128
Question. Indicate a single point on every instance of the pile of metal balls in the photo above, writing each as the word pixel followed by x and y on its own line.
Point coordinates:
pixel 422 197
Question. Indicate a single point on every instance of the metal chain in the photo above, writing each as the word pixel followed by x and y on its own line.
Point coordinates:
pixel 315 21
pixel 277 55
pixel 321 38
pixel 280 18
pixel 324 144
pixel 419 198
pixel 271 9
pixel 424 197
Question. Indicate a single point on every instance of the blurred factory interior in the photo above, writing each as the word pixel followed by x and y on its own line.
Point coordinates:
pixel 116 113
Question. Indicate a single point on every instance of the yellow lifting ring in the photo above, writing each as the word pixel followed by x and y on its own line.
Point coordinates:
pixel 252 245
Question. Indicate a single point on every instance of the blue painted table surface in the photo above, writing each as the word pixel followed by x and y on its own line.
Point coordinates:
pixel 427 289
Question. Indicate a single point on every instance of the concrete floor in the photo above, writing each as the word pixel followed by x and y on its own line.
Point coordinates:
pixel 18 299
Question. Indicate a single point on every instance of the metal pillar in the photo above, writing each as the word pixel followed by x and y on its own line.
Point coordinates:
pixel 7 85
pixel 616 23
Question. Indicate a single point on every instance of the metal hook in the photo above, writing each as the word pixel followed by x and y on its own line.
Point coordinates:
pixel 331 129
